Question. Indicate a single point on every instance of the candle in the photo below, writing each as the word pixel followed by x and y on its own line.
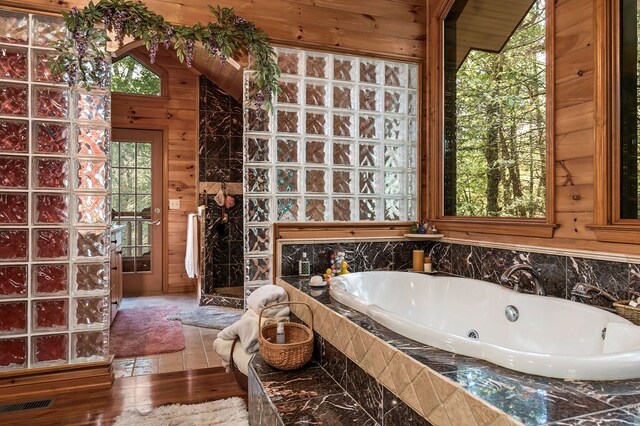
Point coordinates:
pixel 418 260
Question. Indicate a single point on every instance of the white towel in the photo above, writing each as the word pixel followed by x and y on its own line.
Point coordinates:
pixel 266 295
pixel 265 320
pixel 240 357
pixel 191 255
pixel 247 330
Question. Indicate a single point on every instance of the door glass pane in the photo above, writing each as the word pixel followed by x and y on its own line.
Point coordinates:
pixel 132 195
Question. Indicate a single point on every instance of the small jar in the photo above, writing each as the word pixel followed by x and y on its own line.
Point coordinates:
pixel 428 267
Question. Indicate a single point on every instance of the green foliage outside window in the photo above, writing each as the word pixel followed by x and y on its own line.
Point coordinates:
pixel 500 126
pixel 130 76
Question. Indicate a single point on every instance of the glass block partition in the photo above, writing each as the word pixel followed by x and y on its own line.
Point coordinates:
pixel 339 146
pixel 54 205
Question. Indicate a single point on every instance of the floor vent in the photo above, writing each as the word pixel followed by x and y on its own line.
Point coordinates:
pixel 24 406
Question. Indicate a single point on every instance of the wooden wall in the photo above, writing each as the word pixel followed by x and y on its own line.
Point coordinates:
pixel 391 27
pixel 177 116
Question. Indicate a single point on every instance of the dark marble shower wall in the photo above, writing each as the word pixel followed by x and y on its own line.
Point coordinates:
pixel 559 273
pixel 220 135
pixel 220 160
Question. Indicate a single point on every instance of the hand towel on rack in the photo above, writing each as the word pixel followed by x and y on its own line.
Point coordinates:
pixel 191 261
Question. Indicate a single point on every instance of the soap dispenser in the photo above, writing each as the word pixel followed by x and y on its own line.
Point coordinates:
pixel 304 266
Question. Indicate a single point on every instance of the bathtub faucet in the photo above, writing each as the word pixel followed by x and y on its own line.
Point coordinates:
pixel 507 278
pixel 588 291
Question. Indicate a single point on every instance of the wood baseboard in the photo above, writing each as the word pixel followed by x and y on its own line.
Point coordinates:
pixel 47 381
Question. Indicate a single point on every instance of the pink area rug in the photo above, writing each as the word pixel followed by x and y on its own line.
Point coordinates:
pixel 145 331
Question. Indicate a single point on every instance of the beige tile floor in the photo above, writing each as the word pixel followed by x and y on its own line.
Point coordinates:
pixel 198 351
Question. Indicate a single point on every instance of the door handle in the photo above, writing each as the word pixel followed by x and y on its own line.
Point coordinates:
pixel 156 222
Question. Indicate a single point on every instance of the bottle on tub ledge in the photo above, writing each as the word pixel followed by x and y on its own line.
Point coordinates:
pixel 304 266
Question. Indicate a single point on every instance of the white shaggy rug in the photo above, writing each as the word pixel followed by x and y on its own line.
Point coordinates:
pixel 231 411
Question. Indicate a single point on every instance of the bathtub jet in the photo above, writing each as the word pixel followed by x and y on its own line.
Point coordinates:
pixel 549 337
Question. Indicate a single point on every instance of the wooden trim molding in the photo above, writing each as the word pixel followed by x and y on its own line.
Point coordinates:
pixel 48 381
pixel 617 233
pixel 311 231
pixel 527 228
pixel 543 228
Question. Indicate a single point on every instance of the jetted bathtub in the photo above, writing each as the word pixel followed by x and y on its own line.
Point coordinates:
pixel 551 337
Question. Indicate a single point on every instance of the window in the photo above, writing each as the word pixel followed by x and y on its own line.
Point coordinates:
pixel 133 77
pixel 495 110
pixel 629 113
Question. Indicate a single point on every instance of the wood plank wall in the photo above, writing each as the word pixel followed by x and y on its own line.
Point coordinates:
pixel 177 116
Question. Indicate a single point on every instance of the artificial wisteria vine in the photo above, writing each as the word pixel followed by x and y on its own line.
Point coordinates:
pixel 82 55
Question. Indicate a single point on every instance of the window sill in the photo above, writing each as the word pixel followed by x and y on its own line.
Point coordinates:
pixel 617 233
pixel 314 230
pixel 523 227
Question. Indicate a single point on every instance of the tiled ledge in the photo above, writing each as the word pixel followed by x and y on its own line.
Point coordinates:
pixel 433 396
pixel 447 388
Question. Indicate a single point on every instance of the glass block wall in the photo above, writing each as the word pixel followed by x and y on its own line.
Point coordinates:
pixel 339 146
pixel 54 208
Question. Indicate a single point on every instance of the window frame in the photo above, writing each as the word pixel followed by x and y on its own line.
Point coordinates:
pixel 144 60
pixel 607 222
pixel 533 227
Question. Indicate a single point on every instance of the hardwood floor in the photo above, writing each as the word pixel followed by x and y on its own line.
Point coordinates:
pixel 141 392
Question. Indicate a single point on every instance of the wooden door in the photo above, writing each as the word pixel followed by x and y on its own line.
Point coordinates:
pixel 137 204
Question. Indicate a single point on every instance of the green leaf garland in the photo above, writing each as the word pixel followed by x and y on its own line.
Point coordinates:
pixel 82 55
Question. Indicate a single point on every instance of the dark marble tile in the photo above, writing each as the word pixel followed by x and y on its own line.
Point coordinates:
pixel 532 401
pixel 235 106
pixel 403 254
pixel 235 147
pixel 496 261
pixel 236 274
pixel 318 342
pixel 220 274
pixel 397 412
pixel 235 125
pixel 553 272
pixel 216 147
pixel 261 410
pixel 466 261
pixel 220 252
pixel 611 417
pixel 217 100
pixel 613 277
pixel 334 362
pixel 338 409
pixel 291 255
pixel 226 301
pixel 202 123
pixel 371 256
pixel 299 385
pixel 634 276
pixel 440 254
pixel 235 170
pixel 365 389
pixel 218 123
pixel 236 251
pixel 617 393
pixel 217 170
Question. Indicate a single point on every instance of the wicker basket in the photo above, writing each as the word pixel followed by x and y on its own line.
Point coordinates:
pixel 241 379
pixel 624 310
pixel 288 356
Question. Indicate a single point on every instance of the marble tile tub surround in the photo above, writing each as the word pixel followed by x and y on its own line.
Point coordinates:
pixel 447 388
pixel 559 273
pixel 305 396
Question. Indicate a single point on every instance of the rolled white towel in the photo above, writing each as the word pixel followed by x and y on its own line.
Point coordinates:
pixel 247 330
pixel 266 295
pixel 240 357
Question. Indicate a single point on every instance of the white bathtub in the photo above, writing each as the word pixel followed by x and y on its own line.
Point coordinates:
pixel 552 337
